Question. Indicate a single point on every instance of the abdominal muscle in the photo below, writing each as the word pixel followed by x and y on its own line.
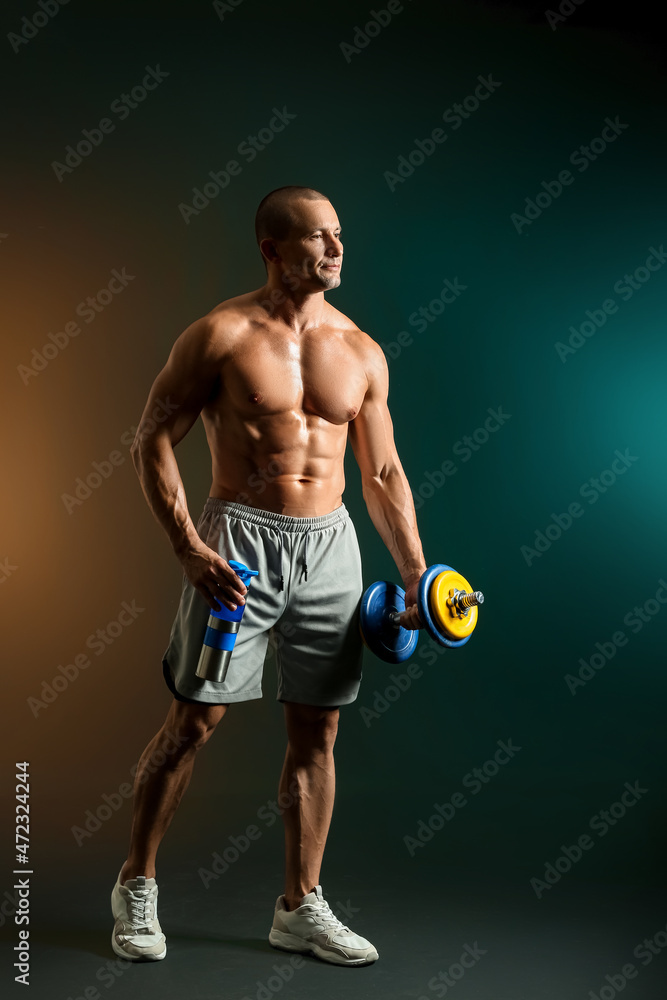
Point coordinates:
pixel 290 463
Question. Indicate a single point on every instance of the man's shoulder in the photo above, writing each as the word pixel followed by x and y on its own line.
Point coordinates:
pixel 362 341
pixel 232 316
pixel 339 321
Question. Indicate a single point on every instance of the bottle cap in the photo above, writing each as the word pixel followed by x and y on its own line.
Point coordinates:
pixel 242 570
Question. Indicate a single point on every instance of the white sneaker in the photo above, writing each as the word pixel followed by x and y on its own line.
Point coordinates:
pixel 314 929
pixel 137 934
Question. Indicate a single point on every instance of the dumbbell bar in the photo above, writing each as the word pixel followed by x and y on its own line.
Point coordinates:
pixel 446 603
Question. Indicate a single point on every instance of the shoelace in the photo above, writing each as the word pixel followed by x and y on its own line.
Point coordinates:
pixel 324 913
pixel 141 909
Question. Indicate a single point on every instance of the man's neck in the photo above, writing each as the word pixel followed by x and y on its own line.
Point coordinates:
pixel 298 309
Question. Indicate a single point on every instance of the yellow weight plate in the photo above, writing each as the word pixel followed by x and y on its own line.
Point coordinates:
pixel 447 618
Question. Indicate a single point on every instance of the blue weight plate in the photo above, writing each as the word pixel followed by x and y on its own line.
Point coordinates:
pixel 391 643
pixel 425 611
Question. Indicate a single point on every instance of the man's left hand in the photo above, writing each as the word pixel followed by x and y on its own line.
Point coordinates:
pixel 411 617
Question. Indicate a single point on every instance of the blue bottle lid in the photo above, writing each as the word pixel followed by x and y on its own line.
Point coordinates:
pixel 225 613
pixel 242 570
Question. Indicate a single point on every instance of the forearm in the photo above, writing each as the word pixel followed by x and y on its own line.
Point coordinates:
pixel 392 511
pixel 163 488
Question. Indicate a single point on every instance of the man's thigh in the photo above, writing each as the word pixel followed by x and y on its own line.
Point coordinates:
pixel 232 538
pixel 317 640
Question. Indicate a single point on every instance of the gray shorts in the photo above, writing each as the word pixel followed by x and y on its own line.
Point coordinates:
pixel 305 602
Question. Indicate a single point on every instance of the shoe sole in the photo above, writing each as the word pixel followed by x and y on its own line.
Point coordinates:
pixel 135 958
pixel 290 942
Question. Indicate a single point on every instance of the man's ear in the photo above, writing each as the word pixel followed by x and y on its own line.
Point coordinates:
pixel 269 250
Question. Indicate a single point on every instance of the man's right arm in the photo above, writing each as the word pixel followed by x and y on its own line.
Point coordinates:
pixel 178 394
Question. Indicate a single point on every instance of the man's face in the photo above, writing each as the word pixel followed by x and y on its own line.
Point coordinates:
pixel 312 254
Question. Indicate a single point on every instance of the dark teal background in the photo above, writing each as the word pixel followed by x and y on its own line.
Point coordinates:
pixel 494 347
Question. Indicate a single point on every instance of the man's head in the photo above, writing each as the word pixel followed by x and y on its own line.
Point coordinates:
pixel 298 234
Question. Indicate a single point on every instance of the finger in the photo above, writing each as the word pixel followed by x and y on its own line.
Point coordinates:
pixel 220 573
pixel 216 597
pixel 406 619
pixel 209 597
pixel 230 576
pixel 413 617
pixel 221 582
pixel 227 596
pixel 233 580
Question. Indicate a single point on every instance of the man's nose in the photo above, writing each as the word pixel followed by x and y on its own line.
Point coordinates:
pixel 334 247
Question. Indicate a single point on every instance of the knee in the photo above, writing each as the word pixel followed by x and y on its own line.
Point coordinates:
pixel 192 737
pixel 313 728
pixel 188 731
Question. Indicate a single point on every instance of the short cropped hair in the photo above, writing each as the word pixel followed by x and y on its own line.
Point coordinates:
pixel 275 219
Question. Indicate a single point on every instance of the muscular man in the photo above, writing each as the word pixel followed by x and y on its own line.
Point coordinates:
pixel 281 380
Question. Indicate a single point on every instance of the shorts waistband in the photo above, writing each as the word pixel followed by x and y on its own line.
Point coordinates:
pixel 270 519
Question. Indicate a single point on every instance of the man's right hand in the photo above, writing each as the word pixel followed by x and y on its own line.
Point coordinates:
pixel 213 577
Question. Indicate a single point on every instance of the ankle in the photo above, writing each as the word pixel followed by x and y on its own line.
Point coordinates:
pixel 292 902
pixel 132 870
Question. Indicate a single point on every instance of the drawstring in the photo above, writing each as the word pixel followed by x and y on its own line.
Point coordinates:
pixel 305 560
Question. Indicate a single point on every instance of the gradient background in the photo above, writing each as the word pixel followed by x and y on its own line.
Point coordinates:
pixel 494 347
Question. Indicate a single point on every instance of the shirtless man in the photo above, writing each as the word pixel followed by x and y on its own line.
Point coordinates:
pixel 281 380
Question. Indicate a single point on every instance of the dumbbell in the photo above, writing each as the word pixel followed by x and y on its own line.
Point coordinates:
pixel 446 603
